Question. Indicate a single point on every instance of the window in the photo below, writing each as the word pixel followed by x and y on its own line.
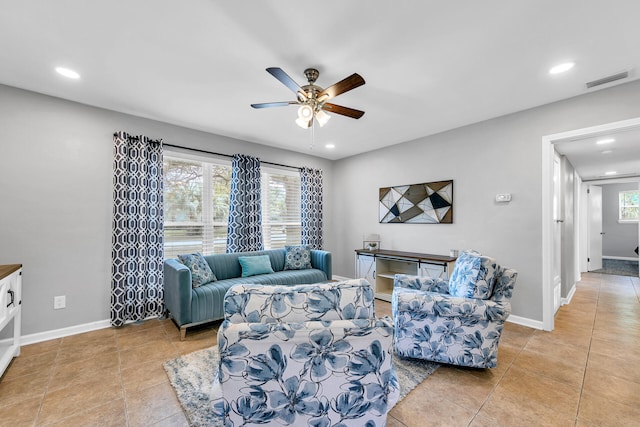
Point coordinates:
pixel 196 205
pixel 281 220
pixel 628 206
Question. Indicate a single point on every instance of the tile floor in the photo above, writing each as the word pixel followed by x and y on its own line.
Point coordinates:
pixel 585 373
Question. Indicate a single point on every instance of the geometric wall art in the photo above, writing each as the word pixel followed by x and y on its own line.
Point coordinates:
pixel 427 203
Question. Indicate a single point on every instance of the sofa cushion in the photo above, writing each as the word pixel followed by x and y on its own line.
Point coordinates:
pixel 254 265
pixel 474 276
pixel 297 258
pixel 201 273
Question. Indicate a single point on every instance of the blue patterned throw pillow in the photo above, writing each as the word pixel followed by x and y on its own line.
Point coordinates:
pixel 474 276
pixel 201 273
pixel 297 258
pixel 253 265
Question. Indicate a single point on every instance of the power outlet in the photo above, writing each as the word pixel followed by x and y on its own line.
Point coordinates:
pixel 59 302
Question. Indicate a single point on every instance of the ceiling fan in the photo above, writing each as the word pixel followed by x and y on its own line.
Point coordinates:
pixel 312 99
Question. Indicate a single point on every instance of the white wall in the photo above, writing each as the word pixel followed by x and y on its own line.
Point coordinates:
pixel 56 192
pixel 495 156
pixel 619 240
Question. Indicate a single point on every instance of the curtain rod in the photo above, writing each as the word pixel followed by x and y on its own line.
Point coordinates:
pixel 212 152
pixel 228 155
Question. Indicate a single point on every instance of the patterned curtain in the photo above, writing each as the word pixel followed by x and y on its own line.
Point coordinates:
pixel 244 232
pixel 311 209
pixel 138 228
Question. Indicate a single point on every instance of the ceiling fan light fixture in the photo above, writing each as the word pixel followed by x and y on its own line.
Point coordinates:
pixel 322 118
pixel 305 112
pixel 303 123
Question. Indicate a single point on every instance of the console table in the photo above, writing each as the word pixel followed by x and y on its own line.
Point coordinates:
pixel 10 309
pixel 380 266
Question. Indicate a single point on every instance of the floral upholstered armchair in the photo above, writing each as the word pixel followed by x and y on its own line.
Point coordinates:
pixel 458 321
pixel 305 355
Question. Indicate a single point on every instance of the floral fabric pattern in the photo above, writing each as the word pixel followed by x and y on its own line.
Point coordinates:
pixel 201 273
pixel 297 257
pixel 473 276
pixel 434 325
pixel 289 370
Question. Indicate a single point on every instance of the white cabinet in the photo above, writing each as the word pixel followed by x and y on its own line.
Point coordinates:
pixel 10 309
pixel 380 266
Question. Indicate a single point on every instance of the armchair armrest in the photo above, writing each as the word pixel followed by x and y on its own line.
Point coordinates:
pixel 322 261
pixel 177 290
pixel 421 283
pixel 469 310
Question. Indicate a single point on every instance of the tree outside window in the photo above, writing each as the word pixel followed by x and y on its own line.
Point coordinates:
pixel 629 206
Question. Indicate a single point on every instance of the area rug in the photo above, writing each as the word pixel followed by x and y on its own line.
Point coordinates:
pixel 192 375
pixel 618 267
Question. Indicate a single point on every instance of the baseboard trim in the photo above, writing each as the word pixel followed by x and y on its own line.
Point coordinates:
pixel 621 258
pixel 524 321
pixel 61 333
pixel 567 299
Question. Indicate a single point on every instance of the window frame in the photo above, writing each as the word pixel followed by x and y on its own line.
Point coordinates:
pixel 621 207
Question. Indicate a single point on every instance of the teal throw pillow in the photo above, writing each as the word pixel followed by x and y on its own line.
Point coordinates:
pixel 297 258
pixel 474 276
pixel 201 273
pixel 253 265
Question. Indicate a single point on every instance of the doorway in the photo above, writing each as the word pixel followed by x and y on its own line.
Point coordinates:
pixel 549 253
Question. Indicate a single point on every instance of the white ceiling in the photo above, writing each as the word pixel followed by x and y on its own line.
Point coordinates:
pixel 429 66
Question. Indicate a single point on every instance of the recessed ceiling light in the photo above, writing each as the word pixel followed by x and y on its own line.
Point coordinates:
pixel 67 73
pixel 606 152
pixel 605 141
pixel 561 68
pixel 330 146
pixel 611 173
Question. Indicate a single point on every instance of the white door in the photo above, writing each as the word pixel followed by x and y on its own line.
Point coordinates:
pixel 594 230
pixel 557 233
pixel 366 268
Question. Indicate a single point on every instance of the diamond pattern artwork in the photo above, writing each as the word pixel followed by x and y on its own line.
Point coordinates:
pixel 138 229
pixel 244 232
pixel 311 209
pixel 427 203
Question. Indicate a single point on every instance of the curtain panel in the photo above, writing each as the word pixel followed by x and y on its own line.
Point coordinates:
pixel 138 228
pixel 311 207
pixel 245 217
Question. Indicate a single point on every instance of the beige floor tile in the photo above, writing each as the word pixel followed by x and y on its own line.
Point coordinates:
pixel 461 387
pixel 40 364
pixel 619 364
pixel 597 411
pixel 100 335
pixel 132 328
pixel 41 347
pixel 65 402
pixel 551 367
pixel 601 383
pixel 422 408
pixel 23 413
pixel 160 351
pixel 21 388
pixel 143 376
pixel 141 337
pixel 152 405
pixel 111 414
pixel 176 420
pixel 392 422
pixel 78 352
pixel 69 374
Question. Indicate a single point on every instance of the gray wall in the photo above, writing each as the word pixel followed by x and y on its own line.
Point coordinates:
pixel 55 197
pixel 620 240
pixel 494 156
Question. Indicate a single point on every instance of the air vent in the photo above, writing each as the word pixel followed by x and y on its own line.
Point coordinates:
pixel 608 79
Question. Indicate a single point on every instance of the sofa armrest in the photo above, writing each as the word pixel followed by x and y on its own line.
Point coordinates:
pixel 421 283
pixel 322 261
pixel 177 290
pixel 424 304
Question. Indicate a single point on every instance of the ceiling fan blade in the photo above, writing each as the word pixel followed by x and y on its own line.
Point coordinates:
pixel 273 104
pixel 345 111
pixel 284 78
pixel 353 81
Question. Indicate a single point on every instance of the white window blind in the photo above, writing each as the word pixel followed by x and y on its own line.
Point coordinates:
pixel 281 221
pixel 196 204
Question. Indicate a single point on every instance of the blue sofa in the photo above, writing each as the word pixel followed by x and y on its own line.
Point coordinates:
pixel 190 306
